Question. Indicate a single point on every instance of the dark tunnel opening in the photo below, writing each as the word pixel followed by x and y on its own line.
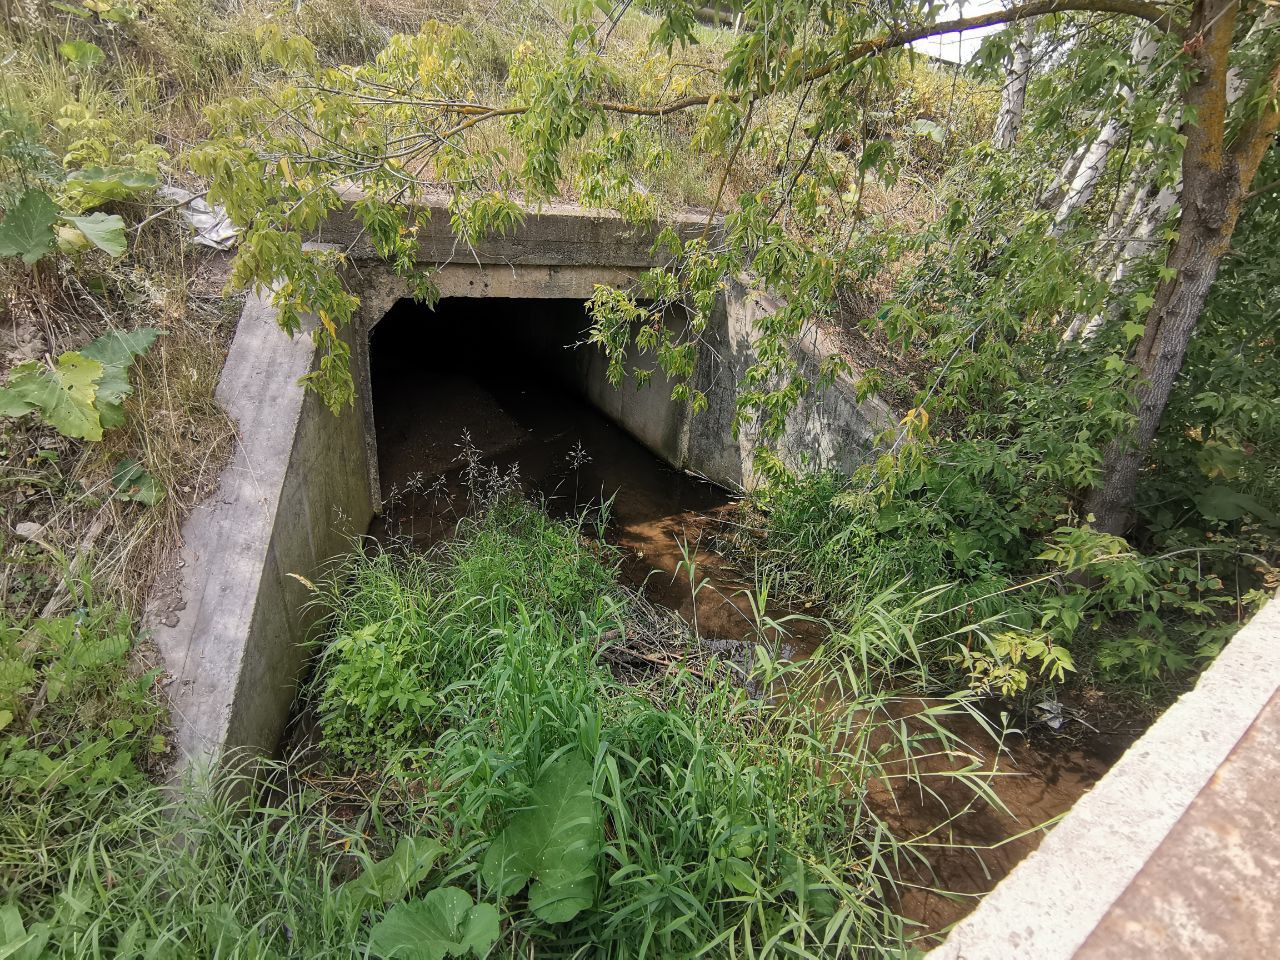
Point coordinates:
pixel 493 382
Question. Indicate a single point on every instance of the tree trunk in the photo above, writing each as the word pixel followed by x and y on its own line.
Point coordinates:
pixel 1014 94
pixel 1086 177
pixel 1215 181
pixel 1204 235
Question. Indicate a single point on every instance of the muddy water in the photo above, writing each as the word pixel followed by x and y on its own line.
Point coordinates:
pixel 509 412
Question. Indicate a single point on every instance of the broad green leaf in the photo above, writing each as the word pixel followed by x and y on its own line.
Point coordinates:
pixel 12 404
pixel 119 347
pixel 96 185
pixel 927 128
pixel 555 841
pixel 132 482
pixel 1223 503
pixel 64 395
pixel 390 879
pixel 16 941
pixel 104 231
pixel 116 351
pixel 71 240
pixel 81 53
pixel 444 923
pixel 27 231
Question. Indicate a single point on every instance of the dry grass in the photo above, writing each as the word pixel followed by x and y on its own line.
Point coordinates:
pixel 174 428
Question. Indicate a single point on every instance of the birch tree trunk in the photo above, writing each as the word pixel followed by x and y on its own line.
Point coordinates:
pixel 1215 182
pixel 1138 216
pixel 1094 160
pixel 1013 96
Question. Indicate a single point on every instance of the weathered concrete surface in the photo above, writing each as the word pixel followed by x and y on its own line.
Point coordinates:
pixel 1212 888
pixel 230 626
pixel 828 427
pixel 1175 852
pixel 556 234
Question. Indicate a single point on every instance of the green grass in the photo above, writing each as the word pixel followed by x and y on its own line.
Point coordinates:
pixel 733 825
pixel 721 824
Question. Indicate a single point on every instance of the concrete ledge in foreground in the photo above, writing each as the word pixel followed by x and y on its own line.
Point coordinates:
pixel 1176 852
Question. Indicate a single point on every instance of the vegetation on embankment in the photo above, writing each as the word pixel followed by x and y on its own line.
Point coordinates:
pixel 497 767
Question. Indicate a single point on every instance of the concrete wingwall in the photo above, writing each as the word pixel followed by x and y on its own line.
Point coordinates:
pixel 829 427
pixel 231 621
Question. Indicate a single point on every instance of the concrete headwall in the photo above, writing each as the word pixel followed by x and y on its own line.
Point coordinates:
pixel 564 252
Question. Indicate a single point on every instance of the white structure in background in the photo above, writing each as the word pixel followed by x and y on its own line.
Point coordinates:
pixel 960 47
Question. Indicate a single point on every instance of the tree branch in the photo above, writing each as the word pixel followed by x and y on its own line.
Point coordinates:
pixel 1256 137
pixel 1158 16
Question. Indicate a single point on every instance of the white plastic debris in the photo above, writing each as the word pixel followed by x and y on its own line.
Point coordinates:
pixel 212 225
pixel 1049 712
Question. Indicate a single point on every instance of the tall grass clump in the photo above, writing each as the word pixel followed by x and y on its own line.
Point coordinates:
pixel 708 821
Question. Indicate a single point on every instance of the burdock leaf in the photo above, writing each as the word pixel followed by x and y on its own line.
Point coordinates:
pixel 555 842
pixel 97 185
pixel 27 231
pixel 118 348
pixel 104 231
pixel 116 351
pixel 64 395
pixel 444 923
pixel 392 878
pixel 81 53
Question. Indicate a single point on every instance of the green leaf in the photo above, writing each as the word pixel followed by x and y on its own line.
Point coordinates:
pixel 104 231
pixel 116 351
pixel 1224 504
pixel 80 12
pixel 390 879
pixel 27 231
pixel 555 840
pixel 1133 330
pixel 82 54
pixel 444 923
pixel 64 395
pixel 118 348
pixel 927 128
pixel 96 185
pixel 16 941
pixel 132 482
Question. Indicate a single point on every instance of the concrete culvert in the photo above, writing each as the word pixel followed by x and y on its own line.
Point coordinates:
pixel 231 621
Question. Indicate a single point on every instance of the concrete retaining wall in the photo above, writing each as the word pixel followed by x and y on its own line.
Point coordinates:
pixel 230 622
